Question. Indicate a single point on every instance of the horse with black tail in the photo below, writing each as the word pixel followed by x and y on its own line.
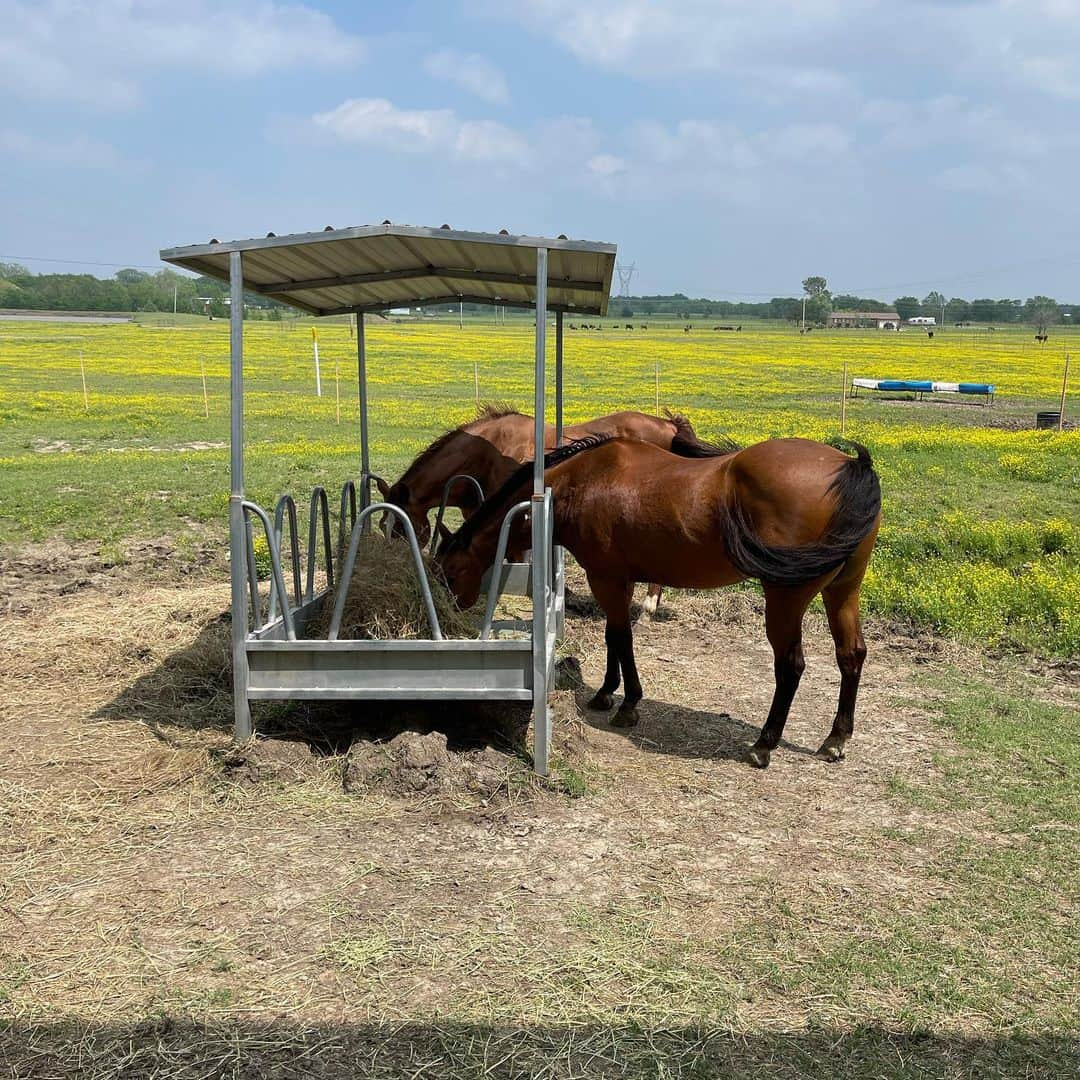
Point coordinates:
pixel 799 516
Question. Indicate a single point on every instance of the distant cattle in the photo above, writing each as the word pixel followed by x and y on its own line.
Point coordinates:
pixel 929 333
pixel 727 327
pixel 687 329
pixel 629 326
pixel 1042 338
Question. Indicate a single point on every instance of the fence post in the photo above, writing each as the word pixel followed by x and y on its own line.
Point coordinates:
pixel 843 403
pixel 1064 388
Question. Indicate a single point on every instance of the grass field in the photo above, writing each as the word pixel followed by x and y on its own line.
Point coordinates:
pixel 980 538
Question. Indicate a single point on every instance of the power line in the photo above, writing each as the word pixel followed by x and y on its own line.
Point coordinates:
pixel 82 262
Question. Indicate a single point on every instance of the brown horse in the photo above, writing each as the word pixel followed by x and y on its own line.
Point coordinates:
pixel 499 440
pixel 799 516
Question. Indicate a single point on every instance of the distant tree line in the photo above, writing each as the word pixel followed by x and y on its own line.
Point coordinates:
pixel 128 290
pixel 1040 311
pixel 139 290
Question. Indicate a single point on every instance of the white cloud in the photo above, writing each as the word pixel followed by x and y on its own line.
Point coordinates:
pixel 605 165
pixel 379 122
pixel 78 151
pixel 99 52
pixel 472 72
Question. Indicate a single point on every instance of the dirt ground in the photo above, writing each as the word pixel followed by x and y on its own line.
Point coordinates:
pixel 163 895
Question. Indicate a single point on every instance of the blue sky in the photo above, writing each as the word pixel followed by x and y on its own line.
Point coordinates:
pixel 730 147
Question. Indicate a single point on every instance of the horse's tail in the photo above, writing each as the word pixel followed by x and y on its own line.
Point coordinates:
pixel 858 503
pixel 687 444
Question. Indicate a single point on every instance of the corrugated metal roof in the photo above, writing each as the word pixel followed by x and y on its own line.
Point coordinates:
pixel 373 267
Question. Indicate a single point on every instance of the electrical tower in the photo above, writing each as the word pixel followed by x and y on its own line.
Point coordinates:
pixel 625 274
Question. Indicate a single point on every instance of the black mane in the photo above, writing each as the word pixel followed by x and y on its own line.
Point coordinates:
pixel 687 443
pixel 499 501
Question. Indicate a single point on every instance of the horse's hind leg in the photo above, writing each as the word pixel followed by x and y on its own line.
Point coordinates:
pixel 842 607
pixel 784 611
pixel 652 600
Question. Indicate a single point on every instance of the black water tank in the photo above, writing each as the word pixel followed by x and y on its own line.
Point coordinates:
pixel 1047 419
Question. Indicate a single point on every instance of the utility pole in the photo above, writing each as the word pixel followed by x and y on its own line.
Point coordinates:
pixel 804 314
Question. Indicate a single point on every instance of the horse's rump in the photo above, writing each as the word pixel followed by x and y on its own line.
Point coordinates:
pixel 857 493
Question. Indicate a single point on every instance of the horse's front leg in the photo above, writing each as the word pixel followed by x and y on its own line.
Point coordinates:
pixel 614 598
pixel 604 698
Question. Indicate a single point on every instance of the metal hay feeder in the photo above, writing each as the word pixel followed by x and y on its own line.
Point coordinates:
pixel 374 268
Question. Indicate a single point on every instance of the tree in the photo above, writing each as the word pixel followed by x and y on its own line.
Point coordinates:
pixel 907 307
pixel 958 310
pixel 12 270
pixel 844 301
pixel 131 277
pixel 1041 312
pixel 934 304
pixel 816 286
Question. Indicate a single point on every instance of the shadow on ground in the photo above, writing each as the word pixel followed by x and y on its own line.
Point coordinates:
pixel 178 1049
pixel 191 690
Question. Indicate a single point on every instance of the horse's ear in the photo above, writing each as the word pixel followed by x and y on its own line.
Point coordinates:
pixel 383 486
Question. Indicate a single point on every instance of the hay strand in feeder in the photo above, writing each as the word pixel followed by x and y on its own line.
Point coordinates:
pixel 384 601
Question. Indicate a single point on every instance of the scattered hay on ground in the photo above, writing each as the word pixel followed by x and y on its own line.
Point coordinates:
pixel 384 601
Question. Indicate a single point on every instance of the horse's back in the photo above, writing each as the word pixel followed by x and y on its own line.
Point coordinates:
pixel 627 425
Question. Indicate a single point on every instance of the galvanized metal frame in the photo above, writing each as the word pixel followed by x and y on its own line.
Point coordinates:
pixel 273 660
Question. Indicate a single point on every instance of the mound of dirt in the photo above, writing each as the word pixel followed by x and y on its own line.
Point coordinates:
pixel 412 764
pixel 270 759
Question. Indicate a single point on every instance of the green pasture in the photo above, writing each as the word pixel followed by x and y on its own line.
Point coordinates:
pixel 982 514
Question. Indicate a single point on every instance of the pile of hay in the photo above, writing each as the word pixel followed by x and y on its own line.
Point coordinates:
pixel 384 601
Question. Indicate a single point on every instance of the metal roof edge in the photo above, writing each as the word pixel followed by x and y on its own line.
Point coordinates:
pixel 363 231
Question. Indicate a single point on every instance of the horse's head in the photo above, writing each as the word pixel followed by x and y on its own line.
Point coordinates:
pixel 464 557
pixel 398 494
pixel 460 569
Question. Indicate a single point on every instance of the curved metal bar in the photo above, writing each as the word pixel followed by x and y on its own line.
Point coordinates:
pixel 442 504
pixel 287 504
pixel 349 564
pixel 252 576
pixel 348 501
pixel 366 480
pixel 319 510
pixel 277 579
pixel 500 555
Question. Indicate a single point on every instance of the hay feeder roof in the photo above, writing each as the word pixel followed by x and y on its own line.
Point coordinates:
pixel 375 267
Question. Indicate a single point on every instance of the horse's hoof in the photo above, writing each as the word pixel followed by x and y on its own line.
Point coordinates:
pixel 601 702
pixel 832 750
pixel 758 756
pixel 625 717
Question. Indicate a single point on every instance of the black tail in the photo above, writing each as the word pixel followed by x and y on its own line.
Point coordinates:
pixel 687 444
pixel 858 503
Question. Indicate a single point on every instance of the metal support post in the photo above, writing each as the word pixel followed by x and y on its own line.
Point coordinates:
pixel 558 378
pixel 560 579
pixel 362 395
pixel 237 525
pixel 541 556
